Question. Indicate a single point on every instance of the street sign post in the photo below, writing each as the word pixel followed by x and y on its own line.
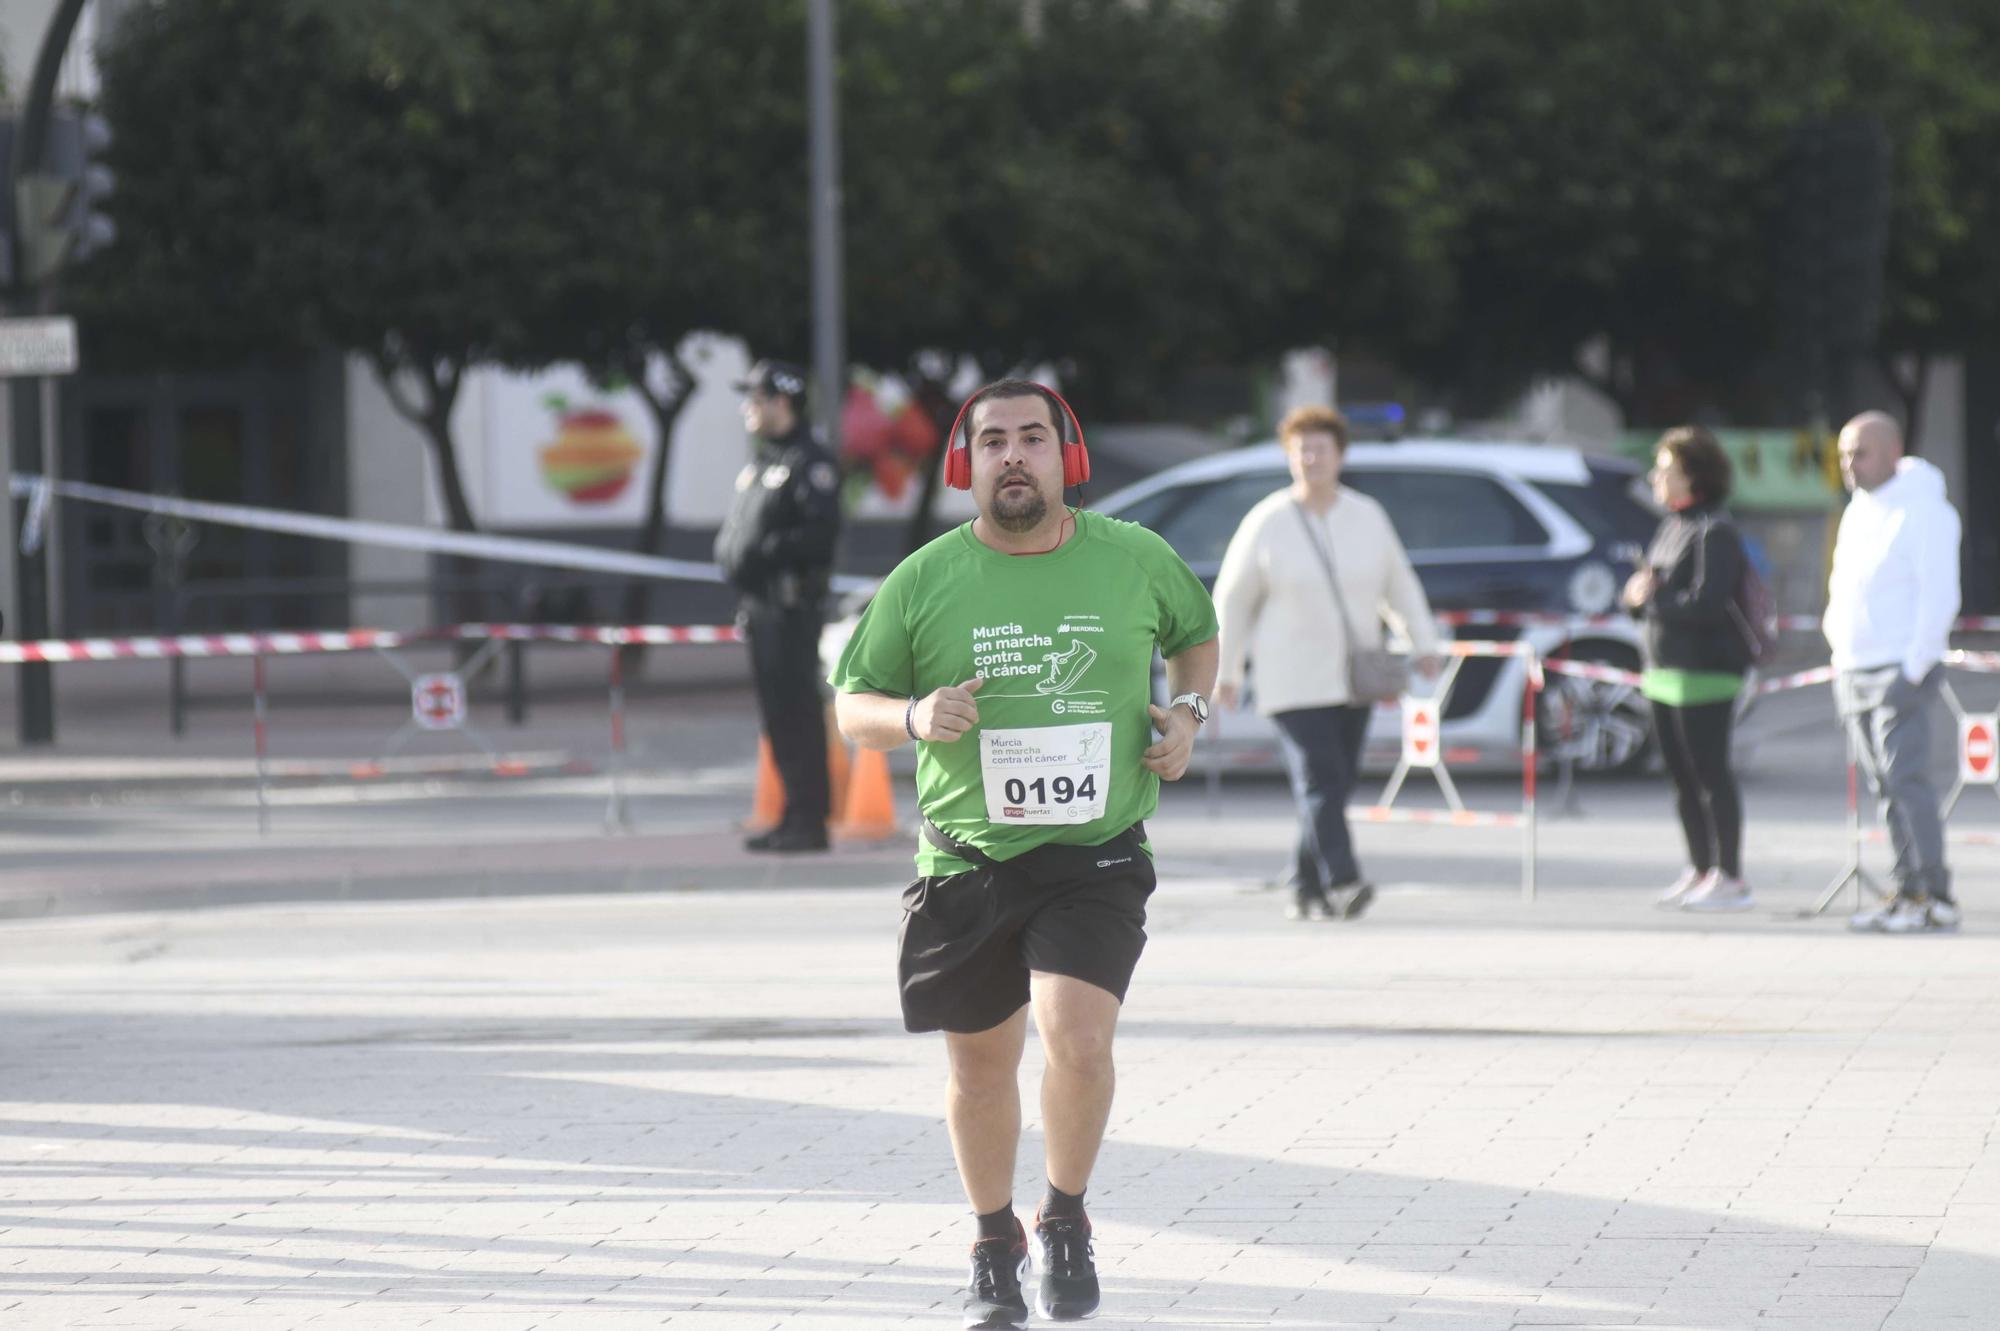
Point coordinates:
pixel 32 347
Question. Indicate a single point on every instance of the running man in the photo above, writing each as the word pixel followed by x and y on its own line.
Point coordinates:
pixel 1017 652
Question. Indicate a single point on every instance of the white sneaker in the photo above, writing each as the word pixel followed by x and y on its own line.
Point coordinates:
pixel 1689 880
pixel 1719 891
pixel 1903 915
pixel 1944 916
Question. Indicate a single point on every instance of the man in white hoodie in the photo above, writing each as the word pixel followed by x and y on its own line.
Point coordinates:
pixel 1890 605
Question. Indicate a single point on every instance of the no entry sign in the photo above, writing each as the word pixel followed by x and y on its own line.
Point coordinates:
pixel 1978 761
pixel 438 701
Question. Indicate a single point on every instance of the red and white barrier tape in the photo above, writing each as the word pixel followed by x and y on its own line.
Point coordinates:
pixel 355 640
pixel 1877 836
pixel 1519 618
pixel 1375 813
pixel 611 635
pixel 1476 647
pixel 358 640
pixel 220 644
pixel 1796 680
pixel 1593 670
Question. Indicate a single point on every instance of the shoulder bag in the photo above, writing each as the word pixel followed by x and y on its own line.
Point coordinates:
pixel 1374 674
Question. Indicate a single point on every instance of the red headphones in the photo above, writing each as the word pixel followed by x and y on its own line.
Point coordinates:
pixel 958 452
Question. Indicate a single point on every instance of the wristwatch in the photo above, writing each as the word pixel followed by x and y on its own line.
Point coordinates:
pixel 1195 704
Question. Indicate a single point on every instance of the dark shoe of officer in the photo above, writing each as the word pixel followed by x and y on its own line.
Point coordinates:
pixel 993 1295
pixel 1068 1267
pixel 788 840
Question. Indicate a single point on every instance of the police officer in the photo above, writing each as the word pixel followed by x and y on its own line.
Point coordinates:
pixel 776 549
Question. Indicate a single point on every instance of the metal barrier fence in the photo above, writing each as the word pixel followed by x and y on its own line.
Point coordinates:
pixel 438 703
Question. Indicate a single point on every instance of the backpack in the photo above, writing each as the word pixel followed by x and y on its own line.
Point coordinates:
pixel 1753 611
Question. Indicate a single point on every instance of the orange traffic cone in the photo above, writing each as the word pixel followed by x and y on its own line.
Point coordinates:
pixel 769 805
pixel 869 813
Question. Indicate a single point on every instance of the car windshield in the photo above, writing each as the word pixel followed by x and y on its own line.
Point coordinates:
pixel 1438 510
pixel 1613 505
pixel 1197 520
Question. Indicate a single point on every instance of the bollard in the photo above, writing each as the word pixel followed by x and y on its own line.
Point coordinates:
pixel 261 711
pixel 1530 849
pixel 617 818
pixel 177 696
pixel 1214 777
pixel 517 682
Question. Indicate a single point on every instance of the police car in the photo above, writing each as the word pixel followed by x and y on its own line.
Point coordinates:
pixel 1519 528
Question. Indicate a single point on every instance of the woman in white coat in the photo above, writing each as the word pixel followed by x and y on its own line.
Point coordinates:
pixel 1280 611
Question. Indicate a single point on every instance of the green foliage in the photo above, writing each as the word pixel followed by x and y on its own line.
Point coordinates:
pixel 1944 271
pixel 1622 179
pixel 1129 188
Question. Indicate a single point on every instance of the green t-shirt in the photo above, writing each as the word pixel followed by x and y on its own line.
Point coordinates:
pixel 1065 642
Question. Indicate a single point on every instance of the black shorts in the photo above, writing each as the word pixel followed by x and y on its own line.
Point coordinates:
pixel 970 939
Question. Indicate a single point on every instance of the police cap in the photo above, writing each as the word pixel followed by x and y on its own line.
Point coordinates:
pixel 776 378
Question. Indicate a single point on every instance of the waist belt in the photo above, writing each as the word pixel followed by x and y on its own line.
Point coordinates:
pixel 951 845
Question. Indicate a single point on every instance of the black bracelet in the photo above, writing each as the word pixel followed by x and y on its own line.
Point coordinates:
pixel 909 718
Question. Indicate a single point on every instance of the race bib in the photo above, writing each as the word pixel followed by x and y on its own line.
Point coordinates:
pixel 1046 774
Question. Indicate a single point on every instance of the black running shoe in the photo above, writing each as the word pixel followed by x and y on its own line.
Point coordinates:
pixel 788 840
pixel 1068 1267
pixel 993 1293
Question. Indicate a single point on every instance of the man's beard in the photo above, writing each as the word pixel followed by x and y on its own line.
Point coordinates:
pixel 1018 511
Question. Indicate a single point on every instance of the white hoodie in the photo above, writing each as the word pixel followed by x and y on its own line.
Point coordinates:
pixel 1894 590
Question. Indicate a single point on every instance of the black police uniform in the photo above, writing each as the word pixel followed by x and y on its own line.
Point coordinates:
pixel 776 549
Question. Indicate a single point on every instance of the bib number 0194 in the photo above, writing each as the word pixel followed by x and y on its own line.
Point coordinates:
pixel 1060 790
pixel 1046 774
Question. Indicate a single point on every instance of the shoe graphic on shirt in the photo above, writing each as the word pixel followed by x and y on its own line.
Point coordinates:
pixel 1067 667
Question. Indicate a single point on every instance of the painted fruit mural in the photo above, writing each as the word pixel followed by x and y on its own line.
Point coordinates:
pixel 593 456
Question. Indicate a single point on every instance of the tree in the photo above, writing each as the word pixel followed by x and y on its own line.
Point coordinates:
pixel 1341 194
pixel 1943 275
pixel 1619 170
pixel 297 173
pixel 674 137
pixel 1090 188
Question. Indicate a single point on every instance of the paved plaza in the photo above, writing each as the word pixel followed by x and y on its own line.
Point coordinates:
pixel 442 1053
pixel 696 1108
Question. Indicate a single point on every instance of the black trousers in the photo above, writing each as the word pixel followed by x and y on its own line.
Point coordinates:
pixel 784 658
pixel 1695 743
pixel 1322 748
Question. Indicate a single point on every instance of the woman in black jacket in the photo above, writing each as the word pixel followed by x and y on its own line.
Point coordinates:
pixel 1697 651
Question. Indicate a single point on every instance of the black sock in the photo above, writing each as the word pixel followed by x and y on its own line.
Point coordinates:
pixel 1060 1203
pixel 1000 1224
